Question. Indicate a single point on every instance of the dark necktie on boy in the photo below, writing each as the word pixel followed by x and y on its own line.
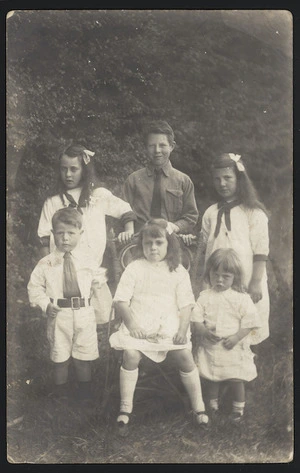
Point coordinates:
pixel 70 282
pixel 155 210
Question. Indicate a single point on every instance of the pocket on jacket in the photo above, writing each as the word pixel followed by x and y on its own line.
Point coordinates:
pixel 174 203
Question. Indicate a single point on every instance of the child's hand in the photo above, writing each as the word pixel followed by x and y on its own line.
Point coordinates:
pixel 52 310
pixel 180 338
pixel 188 239
pixel 211 336
pixel 125 237
pixel 137 332
pixel 231 341
pixel 255 291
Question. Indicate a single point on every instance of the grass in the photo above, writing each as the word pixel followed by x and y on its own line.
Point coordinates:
pixel 41 430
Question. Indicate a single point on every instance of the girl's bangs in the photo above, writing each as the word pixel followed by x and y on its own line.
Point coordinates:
pixel 228 263
pixel 154 231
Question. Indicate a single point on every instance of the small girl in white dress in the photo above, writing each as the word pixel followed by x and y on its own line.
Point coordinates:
pixel 224 316
pixel 154 298
pixel 240 221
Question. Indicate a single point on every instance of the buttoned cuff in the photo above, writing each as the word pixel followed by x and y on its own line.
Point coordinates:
pixel 260 258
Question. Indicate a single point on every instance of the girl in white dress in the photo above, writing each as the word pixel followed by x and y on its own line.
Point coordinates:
pixel 224 316
pixel 154 298
pixel 79 187
pixel 239 221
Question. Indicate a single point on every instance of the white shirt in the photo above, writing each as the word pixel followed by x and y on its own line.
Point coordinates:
pixel 102 202
pixel 46 280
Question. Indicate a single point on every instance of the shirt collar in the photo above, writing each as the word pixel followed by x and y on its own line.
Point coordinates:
pixel 166 169
pixel 75 193
pixel 75 252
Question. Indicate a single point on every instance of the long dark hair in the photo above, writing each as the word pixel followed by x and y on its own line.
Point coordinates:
pixel 89 180
pixel 156 228
pixel 246 191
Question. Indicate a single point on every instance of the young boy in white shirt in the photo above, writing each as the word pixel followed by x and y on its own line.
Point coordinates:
pixel 60 285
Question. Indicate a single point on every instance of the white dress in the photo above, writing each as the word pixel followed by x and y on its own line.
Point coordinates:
pixel 93 239
pixel 225 313
pixel 155 295
pixel 248 237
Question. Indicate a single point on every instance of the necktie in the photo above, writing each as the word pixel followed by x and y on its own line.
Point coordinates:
pixel 224 208
pixel 155 210
pixel 70 282
pixel 72 202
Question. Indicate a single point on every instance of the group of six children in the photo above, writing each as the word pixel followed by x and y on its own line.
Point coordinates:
pixel 154 296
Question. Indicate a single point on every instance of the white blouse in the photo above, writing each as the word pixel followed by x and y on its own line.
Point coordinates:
pixel 102 202
pixel 248 236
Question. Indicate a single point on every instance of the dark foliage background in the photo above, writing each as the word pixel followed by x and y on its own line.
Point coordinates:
pixel 222 79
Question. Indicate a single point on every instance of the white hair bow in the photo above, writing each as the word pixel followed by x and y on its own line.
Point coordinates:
pixel 86 155
pixel 236 158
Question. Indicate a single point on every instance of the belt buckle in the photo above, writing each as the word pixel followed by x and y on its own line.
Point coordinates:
pixel 75 303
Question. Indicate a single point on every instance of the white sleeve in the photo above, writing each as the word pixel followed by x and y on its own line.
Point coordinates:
pixel 259 233
pixel 113 206
pixel 126 284
pixel 198 310
pixel 37 288
pixel 45 223
pixel 184 292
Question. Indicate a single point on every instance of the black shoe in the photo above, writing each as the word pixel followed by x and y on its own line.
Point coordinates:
pixel 235 418
pixel 214 415
pixel 60 392
pixel 122 428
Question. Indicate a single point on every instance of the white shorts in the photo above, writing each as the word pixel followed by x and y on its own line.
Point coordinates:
pixel 73 333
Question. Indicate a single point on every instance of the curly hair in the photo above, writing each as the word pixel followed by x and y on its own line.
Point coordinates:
pixel 230 262
pixel 157 228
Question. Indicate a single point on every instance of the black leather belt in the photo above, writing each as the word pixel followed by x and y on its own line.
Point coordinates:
pixel 72 302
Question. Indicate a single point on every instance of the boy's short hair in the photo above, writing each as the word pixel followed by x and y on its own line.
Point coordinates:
pixel 67 215
pixel 159 127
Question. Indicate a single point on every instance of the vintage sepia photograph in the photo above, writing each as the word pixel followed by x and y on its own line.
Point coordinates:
pixel 149 275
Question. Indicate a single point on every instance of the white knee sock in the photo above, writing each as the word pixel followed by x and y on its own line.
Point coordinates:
pixel 191 382
pixel 128 380
pixel 214 404
pixel 238 407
